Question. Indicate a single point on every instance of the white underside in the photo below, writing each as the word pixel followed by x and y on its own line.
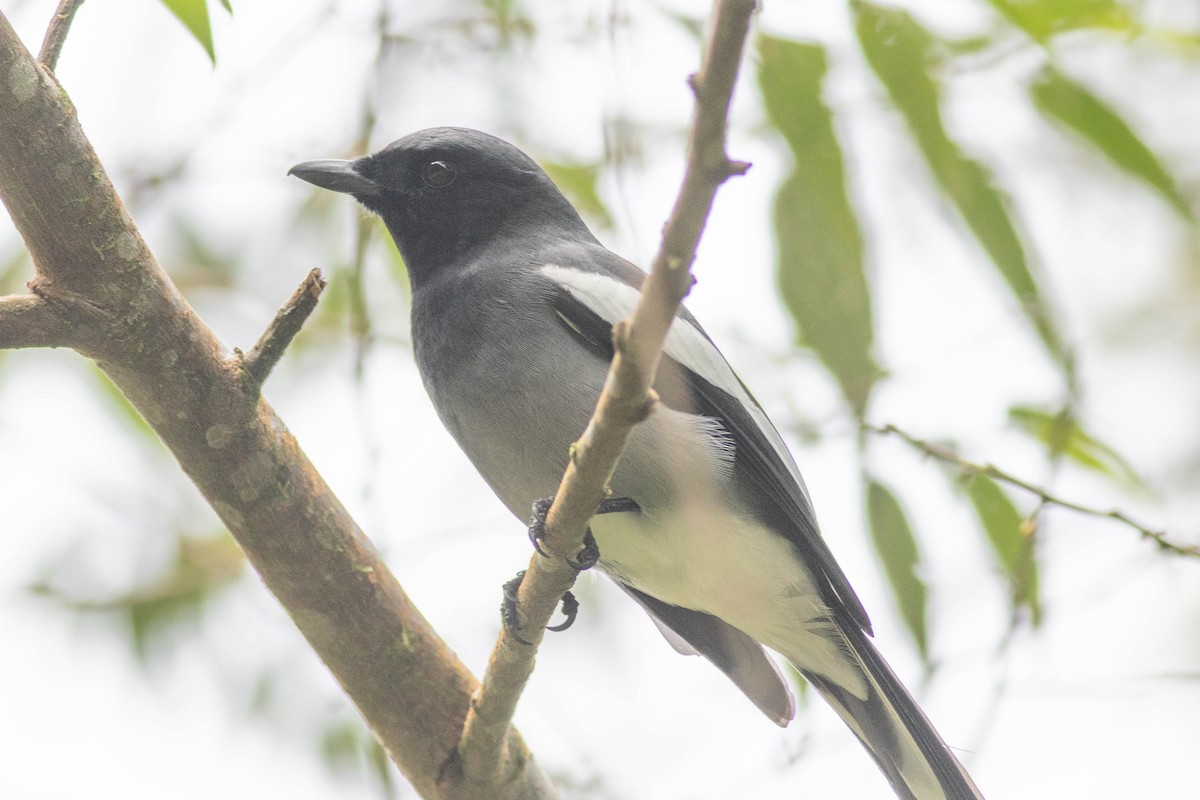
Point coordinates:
pixel 704 557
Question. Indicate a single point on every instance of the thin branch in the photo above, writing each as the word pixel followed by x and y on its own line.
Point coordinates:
pixel 1045 497
pixel 262 358
pixel 27 320
pixel 56 33
pixel 626 400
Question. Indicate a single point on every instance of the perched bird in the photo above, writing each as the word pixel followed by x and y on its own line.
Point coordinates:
pixel 513 303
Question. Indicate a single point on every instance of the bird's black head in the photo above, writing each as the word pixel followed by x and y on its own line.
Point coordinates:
pixel 446 192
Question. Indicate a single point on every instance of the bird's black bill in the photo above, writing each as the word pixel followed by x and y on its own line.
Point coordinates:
pixel 335 175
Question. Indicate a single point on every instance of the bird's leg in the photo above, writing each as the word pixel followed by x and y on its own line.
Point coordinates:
pixel 590 554
pixel 508 610
pixel 586 559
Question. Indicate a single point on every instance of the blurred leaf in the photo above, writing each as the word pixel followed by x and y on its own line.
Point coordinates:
pixel 194 16
pixel 509 20
pixel 1069 103
pixel 799 683
pixel 120 405
pixel 1003 525
pixel 970 46
pixel 12 269
pixel 199 265
pixel 1042 19
pixel 361 325
pixel 694 25
pixel 1063 436
pixel 578 183
pixel 340 745
pixel 893 539
pixel 1181 40
pixel 201 567
pixel 899 51
pixel 350 748
pixel 820 268
pixel 335 313
pixel 380 766
pixel 264 693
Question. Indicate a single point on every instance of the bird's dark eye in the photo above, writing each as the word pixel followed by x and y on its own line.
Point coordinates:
pixel 438 174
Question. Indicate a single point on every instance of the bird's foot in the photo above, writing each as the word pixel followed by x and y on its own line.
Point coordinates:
pixel 508 610
pixel 537 524
pixel 590 553
pixel 587 556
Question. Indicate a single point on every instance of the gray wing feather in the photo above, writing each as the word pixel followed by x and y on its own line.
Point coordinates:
pixel 737 655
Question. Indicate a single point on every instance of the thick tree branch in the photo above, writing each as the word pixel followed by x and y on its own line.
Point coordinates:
pixel 627 398
pixel 56 33
pixel 289 319
pixel 1047 498
pixel 125 313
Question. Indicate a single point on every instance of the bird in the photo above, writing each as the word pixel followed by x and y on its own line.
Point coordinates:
pixel 513 304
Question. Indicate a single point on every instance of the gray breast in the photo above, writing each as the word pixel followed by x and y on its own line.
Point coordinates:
pixel 515 388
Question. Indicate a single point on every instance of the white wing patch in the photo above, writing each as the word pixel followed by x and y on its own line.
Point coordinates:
pixel 613 301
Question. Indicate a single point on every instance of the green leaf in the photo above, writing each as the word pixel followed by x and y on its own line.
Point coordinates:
pixel 578 183
pixel 820 269
pixel 893 539
pixel 194 16
pixel 1003 525
pixel 1063 436
pixel 900 52
pixel 1042 19
pixel 1067 102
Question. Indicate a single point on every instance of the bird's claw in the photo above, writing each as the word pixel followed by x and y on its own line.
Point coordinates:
pixel 508 610
pixel 537 524
pixel 590 554
pixel 570 608
pixel 617 505
pixel 587 556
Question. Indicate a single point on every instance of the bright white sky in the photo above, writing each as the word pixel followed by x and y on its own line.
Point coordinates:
pixel 1099 703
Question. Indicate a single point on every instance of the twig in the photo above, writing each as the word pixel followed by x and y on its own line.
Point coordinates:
pixel 262 358
pixel 1045 497
pixel 56 33
pixel 627 399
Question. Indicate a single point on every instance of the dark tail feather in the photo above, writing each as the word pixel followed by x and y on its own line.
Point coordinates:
pixel 733 652
pixel 896 732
